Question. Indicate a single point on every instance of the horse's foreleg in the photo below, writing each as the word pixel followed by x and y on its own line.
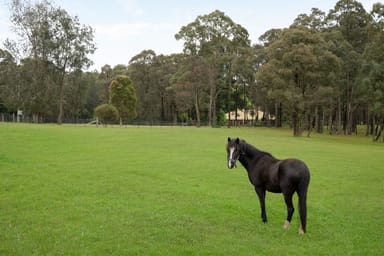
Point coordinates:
pixel 261 194
pixel 290 209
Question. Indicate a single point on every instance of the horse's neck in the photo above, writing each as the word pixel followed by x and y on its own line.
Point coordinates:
pixel 252 152
pixel 251 155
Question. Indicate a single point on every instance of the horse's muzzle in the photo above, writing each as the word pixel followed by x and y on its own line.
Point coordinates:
pixel 231 163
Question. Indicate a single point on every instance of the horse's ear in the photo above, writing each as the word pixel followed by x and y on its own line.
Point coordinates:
pixel 229 139
pixel 237 140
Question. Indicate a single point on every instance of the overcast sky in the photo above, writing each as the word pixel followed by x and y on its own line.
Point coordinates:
pixel 124 28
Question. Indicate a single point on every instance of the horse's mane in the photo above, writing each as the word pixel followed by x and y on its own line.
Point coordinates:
pixel 250 149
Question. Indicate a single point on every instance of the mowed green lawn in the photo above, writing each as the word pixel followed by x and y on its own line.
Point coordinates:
pixel 79 190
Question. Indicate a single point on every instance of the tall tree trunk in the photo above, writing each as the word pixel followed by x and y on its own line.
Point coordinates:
pixel 212 106
pixel 61 98
pixel 379 132
pixel 61 111
pixel 276 115
pixel 338 116
pixel 266 116
pixel 330 121
pixel 236 108
pixel 367 122
pixel 197 109
pixel 322 122
pixel 317 119
pixel 349 105
pixel 280 115
pixel 236 121
pixel 228 106
pixel 309 119
pixel 295 123
pixel 349 120
pixel 162 110
pixel 212 96
pixel 173 113
pixel 214 115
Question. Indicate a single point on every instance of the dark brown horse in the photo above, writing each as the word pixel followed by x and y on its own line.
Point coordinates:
pixel 267 173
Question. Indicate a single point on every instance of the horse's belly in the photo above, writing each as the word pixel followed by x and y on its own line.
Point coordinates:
pixel 274 189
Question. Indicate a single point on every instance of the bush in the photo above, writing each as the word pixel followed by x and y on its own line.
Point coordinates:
pixel 106 113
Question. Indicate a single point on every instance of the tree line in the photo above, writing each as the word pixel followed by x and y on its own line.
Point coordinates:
pixel 325 71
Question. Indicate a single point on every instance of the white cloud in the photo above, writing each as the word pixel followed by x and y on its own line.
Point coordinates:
pixel 124 30
pixel 118 43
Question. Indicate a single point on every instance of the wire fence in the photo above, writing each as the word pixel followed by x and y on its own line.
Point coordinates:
pixel 5 117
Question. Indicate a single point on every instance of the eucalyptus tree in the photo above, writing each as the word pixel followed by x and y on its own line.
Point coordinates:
pixel 216 38
pixel 101 90
pixel 294 72
pixel 371 77
pixel 261 92
pixel 49 36
pixel 35 89
pixel 123 97
pixel 79 95
pixel 93 98
pixel 151 75
pixel 10 91
pixel 190 86
pixel 352 21
pixel 163 70
pixel 324 103
pixel 120 69
pixel 243 67
pixel 140 72
pixel 315 21
pixel 106 72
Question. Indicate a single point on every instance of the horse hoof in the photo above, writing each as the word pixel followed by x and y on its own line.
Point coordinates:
pixel 286 225
pixel 301 231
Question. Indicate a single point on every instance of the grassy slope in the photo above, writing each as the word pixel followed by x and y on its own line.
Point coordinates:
pixel 166 191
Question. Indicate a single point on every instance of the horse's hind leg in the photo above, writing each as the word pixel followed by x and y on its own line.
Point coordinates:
pixel 290 208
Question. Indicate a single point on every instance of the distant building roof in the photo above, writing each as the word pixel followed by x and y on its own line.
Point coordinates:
pixel 250 114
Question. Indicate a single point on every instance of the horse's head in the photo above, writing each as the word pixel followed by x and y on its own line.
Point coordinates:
pixel 233 152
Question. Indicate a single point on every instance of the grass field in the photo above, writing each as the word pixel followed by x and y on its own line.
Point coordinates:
pixel 76 190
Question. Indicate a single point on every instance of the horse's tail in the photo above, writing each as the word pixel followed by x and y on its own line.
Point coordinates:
pixel 302 192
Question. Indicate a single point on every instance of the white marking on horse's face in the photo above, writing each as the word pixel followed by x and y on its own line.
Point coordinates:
pixel 231 150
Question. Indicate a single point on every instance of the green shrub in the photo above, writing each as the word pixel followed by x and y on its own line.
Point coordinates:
pixel 106 113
